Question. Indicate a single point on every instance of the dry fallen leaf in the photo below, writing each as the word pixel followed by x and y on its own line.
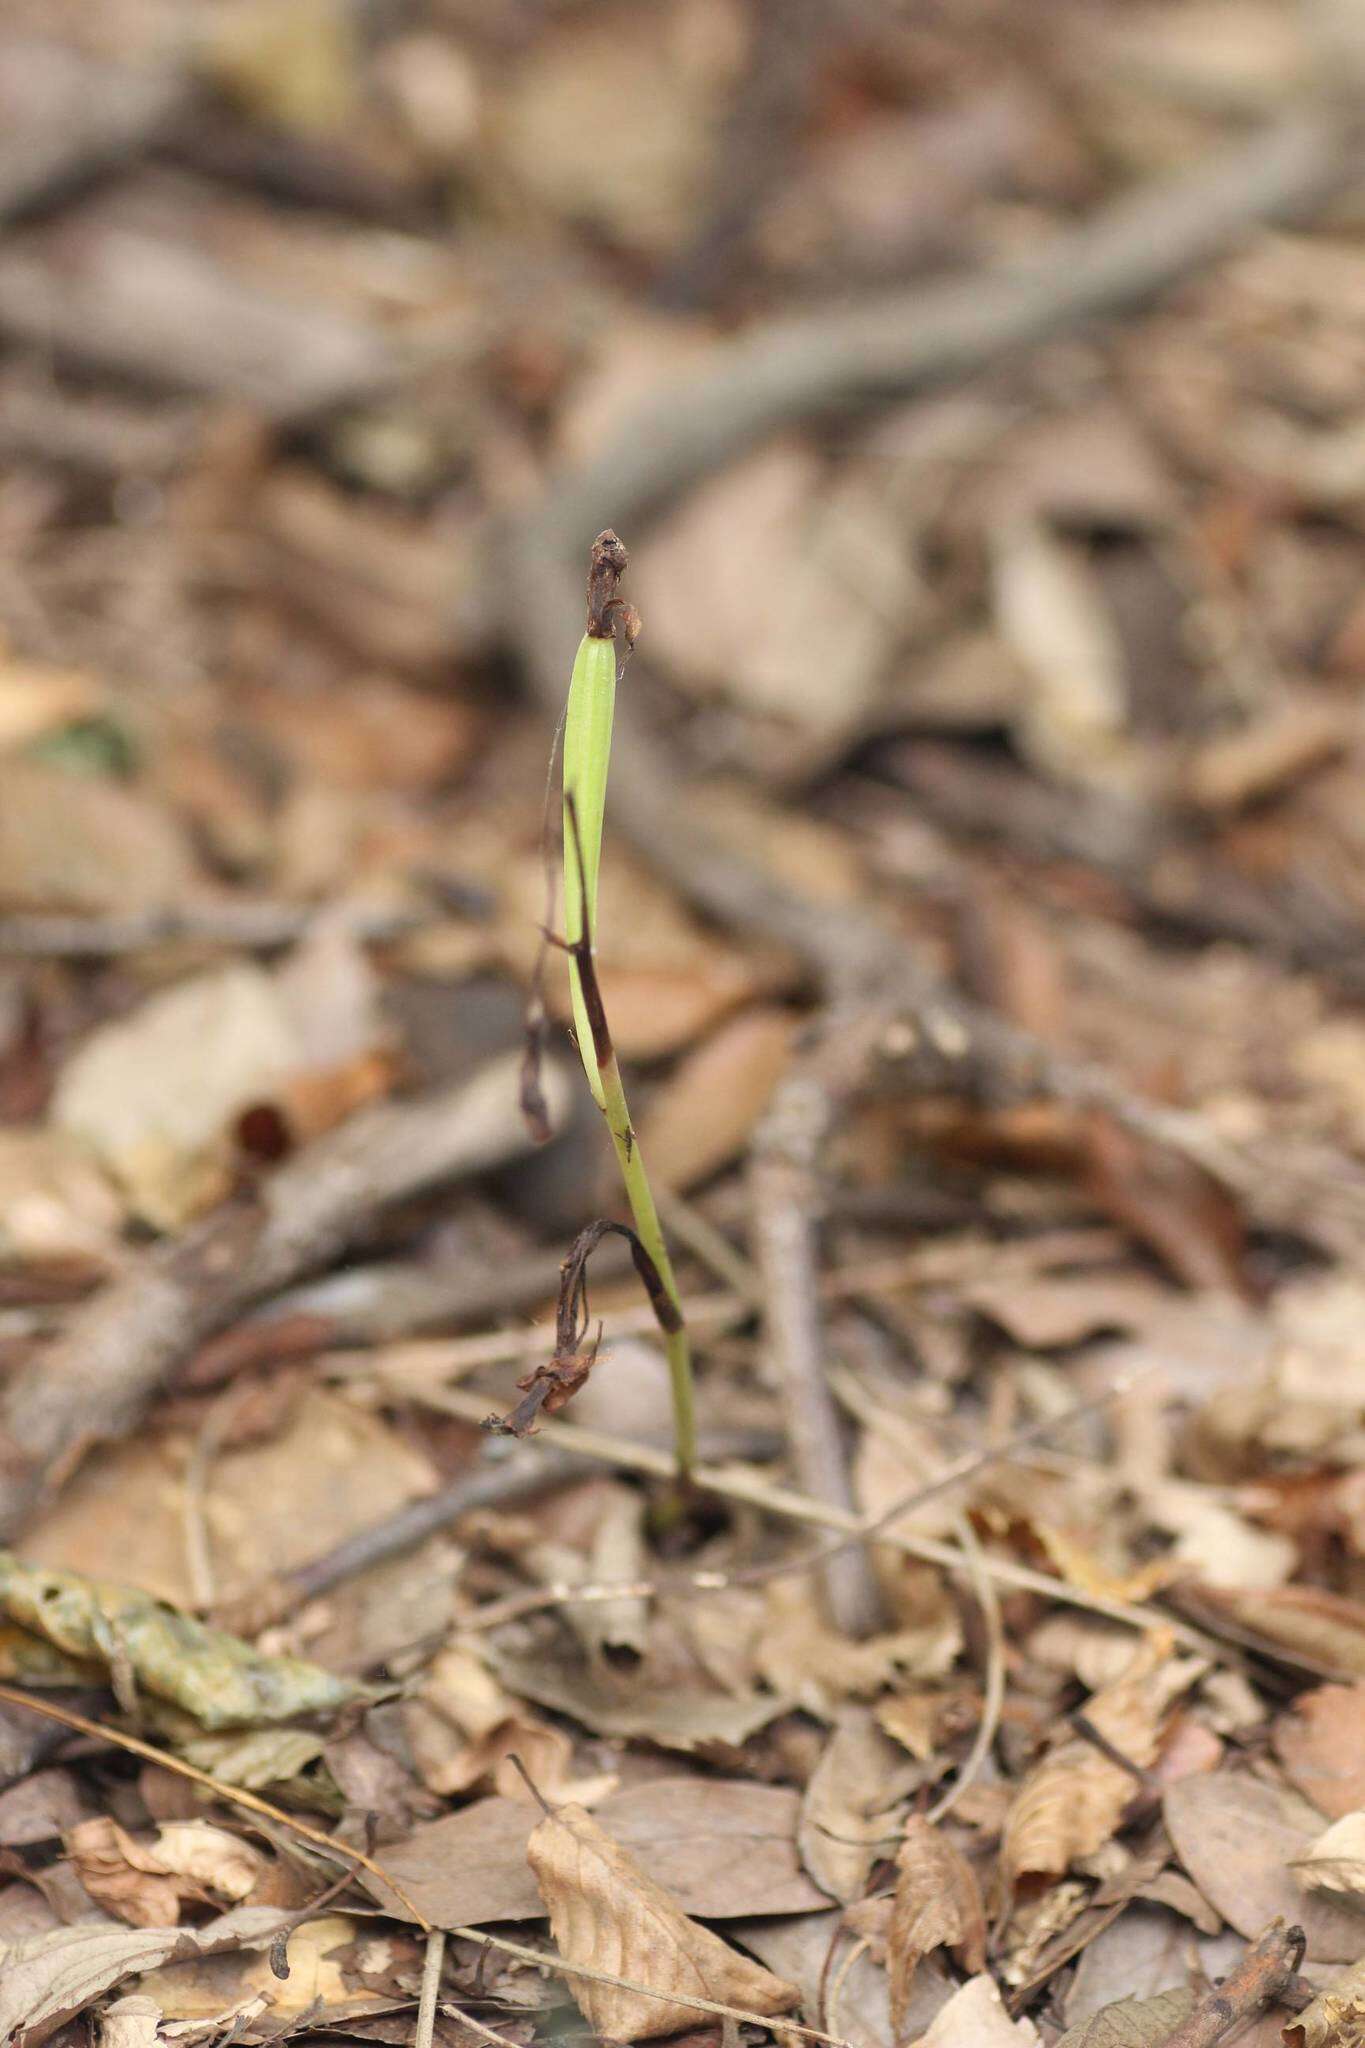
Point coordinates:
pixel 937 1905
pixel 47 1978
pixel 607 1915
pixel 218 1679
pixel 123 1877
pixel 1238 1839
pixel 132 2022
pixel 722 1848
pixel 1072 1801
pixel 1326 1629
pixel 463 1727
pixel 322 1975
pixel 221 1862
pixel 79 842
pixel 848 1808
pixel 677 1716
pixel 975 2017
pixel 1321 1743
pixel 797 1653
pixel 1335 1862
pixel 144 1883
pixel 1131 2022
pixel 1052 611
pixel 703 1115
pixel 1335 2016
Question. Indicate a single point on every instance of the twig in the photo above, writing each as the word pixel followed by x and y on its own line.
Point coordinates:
pixel 431 1983
pixel 783 1184
pixel 855 1397
pixel 797 1507
pixel 523 1478
pixel 1265 1970
pixel 234 1795
pixel 116 1353
pixel 257 926
pixel 993 1692
pixel 801 368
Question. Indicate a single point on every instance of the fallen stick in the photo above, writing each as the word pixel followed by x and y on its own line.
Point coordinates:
pixel 1267 1969
pixel 117 1352
pixel 804 367
pixel 783 1185
pixel 258 926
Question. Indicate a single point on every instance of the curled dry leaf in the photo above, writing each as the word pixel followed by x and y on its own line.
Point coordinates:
pixel 46 1979
pixel 216 1678
pixel 1335 1862
pixel 144 1883
pixel 1071 1802
pixel 606 1915
pixel 1335 2017
pixel 221 1862
pixel 937 1905
pixel 722 1848
pixel 797 1653
pixel 1311 1626
pixel 847 1810
pixel 463 1726
pixel 123 1877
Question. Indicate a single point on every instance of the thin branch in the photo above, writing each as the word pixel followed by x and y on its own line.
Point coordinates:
pixel 1266 1970
pixel 790 1506
pixel 116 1353
pixel 785 1206
pixel 431 1983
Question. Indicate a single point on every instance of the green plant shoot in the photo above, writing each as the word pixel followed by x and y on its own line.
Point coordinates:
pixel 587 757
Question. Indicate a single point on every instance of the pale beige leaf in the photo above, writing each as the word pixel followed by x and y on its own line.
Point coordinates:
pixel 1051 610
pixel 208 1856
pixel 797 1652
pixel 1073 1800
pixel 1336 1860
pixel 132 2022
pixel 122 1876
pixel 975 2017
pixel 47 1978
pixel 848 1808
pixel 606 1915
pixel 463 1727
pixel 937 1905
pixel 153 1094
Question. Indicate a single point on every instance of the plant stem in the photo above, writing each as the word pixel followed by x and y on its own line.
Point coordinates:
pixel 587 758
pixel 677 1344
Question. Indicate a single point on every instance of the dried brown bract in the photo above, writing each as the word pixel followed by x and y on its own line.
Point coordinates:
pixel 549 1386
pixel 606 609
